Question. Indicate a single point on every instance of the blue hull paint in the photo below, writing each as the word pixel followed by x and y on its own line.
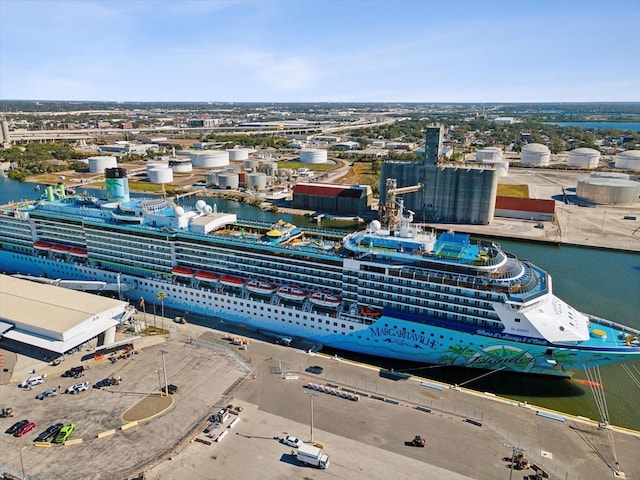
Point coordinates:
pixel 389 336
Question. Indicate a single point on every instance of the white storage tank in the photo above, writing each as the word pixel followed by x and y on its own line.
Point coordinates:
pixel 160 175
pixel 180 165
pixel 587 158
pixel 502 166
pixel 228 180
pixel 629 160
pixel 207 158
pixel 251 165
pixel 212 177
pixel 100 163
pixel 608 190
pixel 156 165
pixel 238 154
pixel 270 168
pixel 257 181
pixel 535 155
pixel 493 154
pixel 313 155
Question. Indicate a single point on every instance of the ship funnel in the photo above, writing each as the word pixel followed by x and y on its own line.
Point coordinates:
pixel 117 184
pixel 60 188
pixel 49 193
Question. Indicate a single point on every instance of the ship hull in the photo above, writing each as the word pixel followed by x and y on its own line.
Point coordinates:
pixel 390 335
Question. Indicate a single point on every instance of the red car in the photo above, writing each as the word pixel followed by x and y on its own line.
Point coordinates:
pixel 26 428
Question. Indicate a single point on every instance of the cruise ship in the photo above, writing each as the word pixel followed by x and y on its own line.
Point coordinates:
pixel 393 291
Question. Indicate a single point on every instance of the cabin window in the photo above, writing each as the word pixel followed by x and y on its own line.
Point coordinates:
pixel 517 320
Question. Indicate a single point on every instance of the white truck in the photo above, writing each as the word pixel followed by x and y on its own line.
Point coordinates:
pixel 312 455
pixel 33 381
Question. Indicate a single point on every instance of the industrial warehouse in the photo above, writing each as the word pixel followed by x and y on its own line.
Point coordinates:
pixel 46 321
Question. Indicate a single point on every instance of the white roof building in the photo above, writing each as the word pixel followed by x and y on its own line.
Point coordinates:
pixel 53 318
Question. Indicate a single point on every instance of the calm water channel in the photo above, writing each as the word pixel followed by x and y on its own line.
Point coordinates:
pixel 601 282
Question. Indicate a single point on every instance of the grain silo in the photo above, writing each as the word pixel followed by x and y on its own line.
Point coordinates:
pixel 257 181
pixel 629 160
pixel 492 154
pixel 228 180
pixel 100 163
pixel 180 165
pixel 586 158
pixel 608 189
pixel 313 155
pixel 238 154
pixel 535 155
pixel 160 175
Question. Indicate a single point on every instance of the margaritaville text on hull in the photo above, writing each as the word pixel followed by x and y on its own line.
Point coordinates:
pixel 397 292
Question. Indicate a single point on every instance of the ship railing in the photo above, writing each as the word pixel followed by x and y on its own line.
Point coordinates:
pixel 457 280
pixel 624 329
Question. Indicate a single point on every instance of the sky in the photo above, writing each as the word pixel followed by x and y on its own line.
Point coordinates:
pixel 320 51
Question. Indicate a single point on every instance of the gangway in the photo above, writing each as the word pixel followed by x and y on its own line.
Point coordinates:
pixel 84 285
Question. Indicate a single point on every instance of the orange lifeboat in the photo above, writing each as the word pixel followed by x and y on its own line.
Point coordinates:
pixel 231 281
pixel 182 271
pixel 207 276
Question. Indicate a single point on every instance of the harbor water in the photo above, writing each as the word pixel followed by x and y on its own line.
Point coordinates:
pixel 602 282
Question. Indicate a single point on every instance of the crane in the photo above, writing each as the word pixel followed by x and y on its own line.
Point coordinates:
pixel 389 215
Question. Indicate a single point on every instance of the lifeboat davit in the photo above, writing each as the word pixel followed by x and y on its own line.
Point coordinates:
pixel 78 252
pixel 182 272
pixel 326 299
pixel 42 245
pixel 261 287
pixel 207 276
pixel 292 292
pixel 230 281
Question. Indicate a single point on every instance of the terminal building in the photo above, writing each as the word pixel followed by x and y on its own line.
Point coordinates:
pixel 47 321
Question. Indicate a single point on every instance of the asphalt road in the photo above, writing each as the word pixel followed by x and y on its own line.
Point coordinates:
pixel 364 439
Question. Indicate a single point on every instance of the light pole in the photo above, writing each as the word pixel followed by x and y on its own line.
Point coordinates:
pixel 164 369
pixel 22 463
pixel 311 395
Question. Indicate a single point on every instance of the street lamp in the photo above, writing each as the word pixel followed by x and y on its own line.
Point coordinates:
pixel 311 395
pixel 22 463
pixel 164 369
pixel 514 449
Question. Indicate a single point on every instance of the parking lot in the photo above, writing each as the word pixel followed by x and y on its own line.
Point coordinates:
pixel 202 372
pixel 365 439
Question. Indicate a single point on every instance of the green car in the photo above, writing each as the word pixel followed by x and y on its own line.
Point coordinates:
pixel 64 433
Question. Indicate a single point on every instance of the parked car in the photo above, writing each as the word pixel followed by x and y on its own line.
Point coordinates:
pixel 64 433
pixel 52 392
pixel 170 388
pixel 317 369
pixel 13 428
pixel 106 382
pixel 77 388
pixel 418 441
pixel 32 381
pixel 292 441
pixel 24 429
pixel 50 432
pixel 75 372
